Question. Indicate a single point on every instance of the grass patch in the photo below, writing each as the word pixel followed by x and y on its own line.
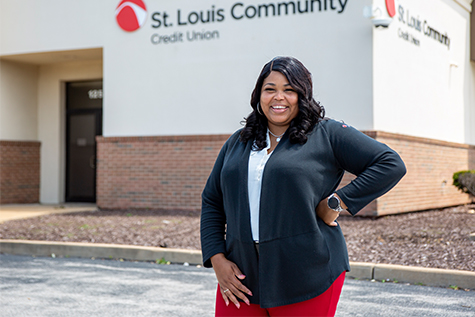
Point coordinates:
pixel 87 227
pixel 162 261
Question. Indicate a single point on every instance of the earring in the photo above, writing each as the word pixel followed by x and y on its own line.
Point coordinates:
pixel 258 110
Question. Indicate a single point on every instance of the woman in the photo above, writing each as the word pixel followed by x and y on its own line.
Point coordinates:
pixel 269 208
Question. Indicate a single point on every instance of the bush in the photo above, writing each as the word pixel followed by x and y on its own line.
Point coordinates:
pixel 465 181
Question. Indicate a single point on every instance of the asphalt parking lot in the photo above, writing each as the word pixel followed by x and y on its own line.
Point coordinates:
pixel 42 286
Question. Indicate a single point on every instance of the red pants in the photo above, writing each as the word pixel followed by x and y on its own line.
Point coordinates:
pixel 322 305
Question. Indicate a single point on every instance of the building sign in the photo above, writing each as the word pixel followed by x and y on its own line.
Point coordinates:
pixel 414 27
pixel 166 24
pixel 131 14
pixel 391 8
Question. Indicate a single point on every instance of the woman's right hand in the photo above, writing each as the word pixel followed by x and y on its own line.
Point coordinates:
pixel 229 276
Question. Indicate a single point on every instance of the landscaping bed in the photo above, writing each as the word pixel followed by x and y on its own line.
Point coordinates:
pixel 435 238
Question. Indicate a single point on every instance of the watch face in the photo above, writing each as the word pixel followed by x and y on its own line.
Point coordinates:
pixel 333 202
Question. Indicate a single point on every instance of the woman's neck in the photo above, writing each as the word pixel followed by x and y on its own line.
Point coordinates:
pixel 277 130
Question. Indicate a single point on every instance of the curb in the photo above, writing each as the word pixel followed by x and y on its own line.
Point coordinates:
pixel 98 250
pixel 413 275
pixel 359 270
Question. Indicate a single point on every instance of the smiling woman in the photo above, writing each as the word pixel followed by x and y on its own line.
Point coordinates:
pixel 269 207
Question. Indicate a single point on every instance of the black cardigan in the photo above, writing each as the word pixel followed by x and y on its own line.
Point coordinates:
pixel 299 255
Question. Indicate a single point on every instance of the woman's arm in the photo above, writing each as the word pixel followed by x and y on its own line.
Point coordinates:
pixel 213 218
pixel 213 246
pixel 377 167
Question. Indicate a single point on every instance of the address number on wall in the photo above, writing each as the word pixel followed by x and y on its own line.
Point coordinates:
pixel 95 93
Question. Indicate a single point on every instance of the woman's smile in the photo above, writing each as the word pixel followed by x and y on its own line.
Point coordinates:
pixel 279 109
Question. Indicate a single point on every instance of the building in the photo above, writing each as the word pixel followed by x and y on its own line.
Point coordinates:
pixel 127 103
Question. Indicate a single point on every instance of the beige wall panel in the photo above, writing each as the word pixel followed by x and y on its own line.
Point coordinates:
pixel 51 122
pixel 18 101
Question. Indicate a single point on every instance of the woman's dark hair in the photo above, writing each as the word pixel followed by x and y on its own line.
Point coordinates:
pixel 310 111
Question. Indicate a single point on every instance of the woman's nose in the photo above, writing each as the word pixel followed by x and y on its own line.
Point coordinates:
pixel 279 95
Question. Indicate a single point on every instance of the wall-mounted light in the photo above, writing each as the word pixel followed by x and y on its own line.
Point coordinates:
pixel 378 17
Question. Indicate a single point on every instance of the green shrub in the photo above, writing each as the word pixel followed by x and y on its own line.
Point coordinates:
pixel 465 181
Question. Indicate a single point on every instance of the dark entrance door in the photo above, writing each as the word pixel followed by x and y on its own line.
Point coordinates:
pixel 83 123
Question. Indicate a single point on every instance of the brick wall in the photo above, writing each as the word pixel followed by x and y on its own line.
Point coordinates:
pixel 170 172
pixel 19 172
pixel 167 172
pixel 430 165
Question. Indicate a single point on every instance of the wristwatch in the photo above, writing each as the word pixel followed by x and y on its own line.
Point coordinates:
pixel 334 203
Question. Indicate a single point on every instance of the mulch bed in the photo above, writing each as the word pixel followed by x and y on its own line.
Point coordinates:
pixel 435 238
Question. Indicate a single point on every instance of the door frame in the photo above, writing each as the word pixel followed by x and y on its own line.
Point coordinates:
pixel 98 126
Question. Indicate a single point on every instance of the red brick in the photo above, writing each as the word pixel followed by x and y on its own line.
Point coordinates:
pixel 19 172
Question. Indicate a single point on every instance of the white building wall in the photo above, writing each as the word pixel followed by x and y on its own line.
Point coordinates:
pixel 204 87
pixel 29 26
pixel 18 101
pixel 420 85
pixel 200 87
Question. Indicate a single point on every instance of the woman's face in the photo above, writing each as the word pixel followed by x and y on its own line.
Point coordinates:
pixel 279 102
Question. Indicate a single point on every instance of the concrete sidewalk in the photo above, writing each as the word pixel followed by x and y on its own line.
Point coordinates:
pixel 370 271
pixel 21 211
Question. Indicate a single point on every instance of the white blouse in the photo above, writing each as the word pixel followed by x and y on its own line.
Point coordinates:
pixel 257 162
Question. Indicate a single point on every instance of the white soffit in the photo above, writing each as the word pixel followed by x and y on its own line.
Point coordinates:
pixel 54 57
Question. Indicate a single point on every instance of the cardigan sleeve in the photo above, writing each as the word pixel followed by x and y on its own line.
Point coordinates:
pixel 377 167
pixel 213 218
